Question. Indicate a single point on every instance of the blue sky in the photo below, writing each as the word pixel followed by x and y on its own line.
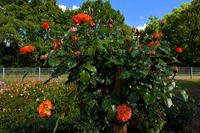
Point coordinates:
pixel 136 12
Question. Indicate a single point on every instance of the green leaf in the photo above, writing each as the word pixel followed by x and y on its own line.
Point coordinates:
pixel 184 95
pixel 125 75
pixel 149 99
pixel 120 41
pixel 109 108
pixel 91 68
pixel 91 51
pixel 54 62
pixel 137 75
pixel 168 102
pixel 135 53
pixel 85 77
pixel 133 98
pixel 115 61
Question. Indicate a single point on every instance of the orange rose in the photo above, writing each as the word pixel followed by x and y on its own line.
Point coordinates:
pixel 133 29
pixel 46 25
pixel 92 23
pixel 124 113
pixel 153 52
pixel 110 25
pixel 76 53
pixel 175 68
pixel 44 109
pixel 81 17
pixel 151 44
pixel 157 43
pixel 158 35
pixel 27 49
pixel 74 38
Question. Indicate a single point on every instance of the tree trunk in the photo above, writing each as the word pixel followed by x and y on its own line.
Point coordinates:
pixel 117 93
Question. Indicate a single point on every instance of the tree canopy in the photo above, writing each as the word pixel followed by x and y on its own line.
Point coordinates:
pixel 182 29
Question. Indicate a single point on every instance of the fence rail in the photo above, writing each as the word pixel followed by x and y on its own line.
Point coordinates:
pixel 44 73
pixel 18 73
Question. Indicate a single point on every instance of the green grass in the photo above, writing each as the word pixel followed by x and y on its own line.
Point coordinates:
pixel 193 86
pixel 194 74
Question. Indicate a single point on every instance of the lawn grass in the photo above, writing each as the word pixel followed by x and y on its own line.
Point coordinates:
pixel 193 86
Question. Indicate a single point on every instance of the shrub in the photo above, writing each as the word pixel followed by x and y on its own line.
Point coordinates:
pixel 113 68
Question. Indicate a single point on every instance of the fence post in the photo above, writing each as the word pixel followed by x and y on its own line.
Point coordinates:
pixel 4 72
pixel 191 73
pixel 39 73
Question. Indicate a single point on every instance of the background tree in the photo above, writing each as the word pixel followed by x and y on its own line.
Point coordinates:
pixel 20 24
pixel 182 29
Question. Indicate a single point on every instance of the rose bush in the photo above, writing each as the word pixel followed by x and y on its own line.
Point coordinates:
pixel 122 77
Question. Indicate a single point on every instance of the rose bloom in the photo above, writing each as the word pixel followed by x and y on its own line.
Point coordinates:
pixel 151 44
pixel 158 35
pixel 133 29
pixel 122 28
pixel 110 25
pixel 1 82
pixel 92 23
pixel 73 29
pixel 124 113
pixel 153 52
pixel 44 108
pixel 157 43
pixel 27 49
pixel 46 25
pixel 74 38
pixel 76 53
pixel 81 17
pixel 179 50
pixel 175 68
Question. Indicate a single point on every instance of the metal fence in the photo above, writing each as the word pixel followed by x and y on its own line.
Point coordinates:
pixel 188 73
pixel 39 73
pixel 31 73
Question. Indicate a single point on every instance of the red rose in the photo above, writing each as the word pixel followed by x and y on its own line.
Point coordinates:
pixel 46 25
pixel 81 17
pixel 179 50
pixel 27 49
pixel 124 113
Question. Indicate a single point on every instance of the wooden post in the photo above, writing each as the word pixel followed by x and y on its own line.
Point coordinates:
pixel 117 92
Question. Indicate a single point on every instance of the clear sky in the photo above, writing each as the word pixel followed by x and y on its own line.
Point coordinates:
pixel 136 12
